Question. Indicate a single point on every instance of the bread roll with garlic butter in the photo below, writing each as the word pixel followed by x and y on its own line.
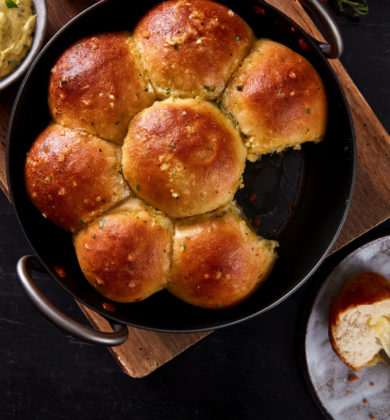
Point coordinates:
pixel 125 254
pixel 277 99
pixel 191 47
pixel 183 156
pixel 72 176
pixel 98 84
pixel 217 260
pixel 359 320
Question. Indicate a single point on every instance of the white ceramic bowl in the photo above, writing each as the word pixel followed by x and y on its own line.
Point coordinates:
pixel 39 37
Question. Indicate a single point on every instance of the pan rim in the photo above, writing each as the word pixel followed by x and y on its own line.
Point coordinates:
pixel 217 324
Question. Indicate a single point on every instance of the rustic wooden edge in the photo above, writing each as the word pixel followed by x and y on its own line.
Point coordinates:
pixel 146 350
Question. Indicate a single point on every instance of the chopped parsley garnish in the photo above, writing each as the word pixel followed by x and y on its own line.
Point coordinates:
pixel 173 145
pixel 27 47
pixel 137 94
pixel 93 236
pixel 137 187
pixel 197 115
pixel 282 59
pixel 81 221
pixel 168 91
pixel 238 38
pixel 176 46
pixel 101 223
pixel 219 104
pixel 208 88
pixel 308 111
pixel 145 89
pixel 183 245
pixel 63 82
pixel 10 4
pixel 78 45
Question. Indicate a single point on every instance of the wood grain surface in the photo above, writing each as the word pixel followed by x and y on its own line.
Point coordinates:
pixel 145 351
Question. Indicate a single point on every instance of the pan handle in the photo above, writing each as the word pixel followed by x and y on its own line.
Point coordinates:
pixel 82 332
pixel 330 26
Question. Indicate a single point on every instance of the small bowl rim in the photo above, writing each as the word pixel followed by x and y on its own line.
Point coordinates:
pixel 39 37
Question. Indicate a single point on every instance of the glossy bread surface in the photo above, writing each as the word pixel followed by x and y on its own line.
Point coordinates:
pixel 98 84
pixel 191 47
pixel 125 255
pixel 277 98
pixel 72 176
pixel 183 156
pixel 218 261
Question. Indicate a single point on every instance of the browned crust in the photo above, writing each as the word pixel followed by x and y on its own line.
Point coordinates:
pixel 366 288
pixel 183 156
pixel 125 255
pixel 71 176
pixel 98 84
pixel 278 98
pixel 217 261
pixel 191 47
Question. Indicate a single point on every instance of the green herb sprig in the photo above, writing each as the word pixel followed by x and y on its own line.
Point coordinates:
pixel 10 4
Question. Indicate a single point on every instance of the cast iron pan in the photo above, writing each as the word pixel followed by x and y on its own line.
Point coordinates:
pixel 302 196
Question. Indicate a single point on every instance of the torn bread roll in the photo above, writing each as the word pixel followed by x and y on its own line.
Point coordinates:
pixel 359 320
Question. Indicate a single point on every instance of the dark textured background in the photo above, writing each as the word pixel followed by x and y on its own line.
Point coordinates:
pixel 249 371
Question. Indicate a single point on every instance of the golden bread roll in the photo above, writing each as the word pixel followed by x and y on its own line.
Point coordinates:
pixel 191 47
pixel 72 176
pixel 277 99
pixel 125 254
pixel 98 84
pixel 183 156
pixel 217 260
pixel 359 320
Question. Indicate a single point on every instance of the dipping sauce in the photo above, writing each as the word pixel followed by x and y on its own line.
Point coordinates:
pixel 17 24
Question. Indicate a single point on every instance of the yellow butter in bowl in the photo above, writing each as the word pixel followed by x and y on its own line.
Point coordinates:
pixel 17 24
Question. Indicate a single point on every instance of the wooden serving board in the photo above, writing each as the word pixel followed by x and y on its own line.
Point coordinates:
pixel 145 351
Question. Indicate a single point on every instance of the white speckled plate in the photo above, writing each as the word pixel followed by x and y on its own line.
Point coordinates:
pixel 341 398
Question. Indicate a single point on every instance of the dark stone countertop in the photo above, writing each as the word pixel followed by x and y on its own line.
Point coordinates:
pixel 249 371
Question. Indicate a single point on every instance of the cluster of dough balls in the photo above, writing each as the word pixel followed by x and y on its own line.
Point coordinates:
pixel 148 144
